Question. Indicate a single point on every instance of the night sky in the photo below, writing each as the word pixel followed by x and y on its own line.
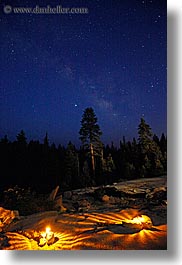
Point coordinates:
pixel 53 66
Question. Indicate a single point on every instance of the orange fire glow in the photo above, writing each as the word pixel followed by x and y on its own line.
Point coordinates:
pixel 143 219
pixel 48 229
pixel 94 231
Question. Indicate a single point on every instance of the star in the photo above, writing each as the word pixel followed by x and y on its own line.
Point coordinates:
pixel 112 59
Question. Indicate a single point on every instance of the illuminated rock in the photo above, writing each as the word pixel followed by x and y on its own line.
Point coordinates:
pixel 105 198
pixel 6 217
pixel 139 222
pixel 42 242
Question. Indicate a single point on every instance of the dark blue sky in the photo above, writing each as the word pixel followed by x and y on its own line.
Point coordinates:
pixel 53 66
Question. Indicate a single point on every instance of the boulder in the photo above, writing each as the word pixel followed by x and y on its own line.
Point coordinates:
pixel 6 217
pixel 132 193
pixel 84 203
pixel 74 197
pixel 112 200
pixel 83 206
pixel 105 198
pixel 112 191
pixel 67 195
pixel 158 194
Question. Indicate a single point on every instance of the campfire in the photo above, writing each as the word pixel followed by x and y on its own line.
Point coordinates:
pixel 46 237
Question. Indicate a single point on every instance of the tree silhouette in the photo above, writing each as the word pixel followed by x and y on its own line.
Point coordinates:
pixel 90 136
pixel 21 138
pixel 145 136
pixel 42 166
pixel 71 167
pixel 4 140
pixel 46 140
pixel 150 154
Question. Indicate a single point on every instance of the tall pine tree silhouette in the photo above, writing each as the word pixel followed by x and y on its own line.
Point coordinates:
pixel 21 138
pixel 90 136
pixel 151 155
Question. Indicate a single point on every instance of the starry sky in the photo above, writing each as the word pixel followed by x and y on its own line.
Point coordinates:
pixel 53 66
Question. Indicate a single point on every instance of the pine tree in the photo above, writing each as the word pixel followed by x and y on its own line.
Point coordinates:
pixel 151 155
pixel 90 136
pixel 71 167
pixel 156 139
pixel 145 136
pixel 4 140
pixel 21 139
pixel 109 164
pixel 46 140
pixel 163 144
pixel 20 160
pixel 85 178
pixel 163 148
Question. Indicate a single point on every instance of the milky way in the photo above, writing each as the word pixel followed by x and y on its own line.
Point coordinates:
pixel 53 66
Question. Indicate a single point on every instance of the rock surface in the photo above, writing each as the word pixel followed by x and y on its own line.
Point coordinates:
pixel 95 218
pixel 6 217
pixel 142 193
pixel 96 230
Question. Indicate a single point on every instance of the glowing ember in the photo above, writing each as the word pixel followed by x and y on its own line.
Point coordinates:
pixel 140 219
pixel 139 222
pixel 143 220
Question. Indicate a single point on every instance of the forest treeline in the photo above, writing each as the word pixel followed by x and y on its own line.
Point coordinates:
pixel 42 166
